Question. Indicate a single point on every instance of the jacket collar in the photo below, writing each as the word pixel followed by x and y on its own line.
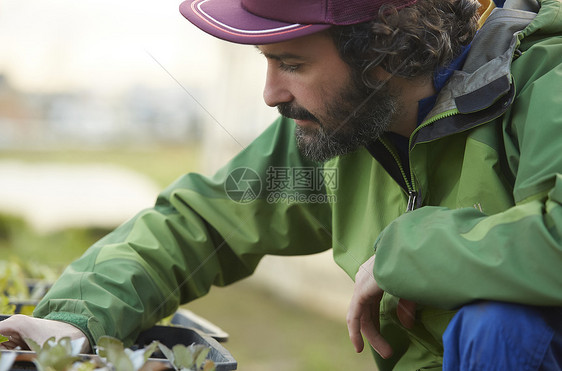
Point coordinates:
pixel 482 90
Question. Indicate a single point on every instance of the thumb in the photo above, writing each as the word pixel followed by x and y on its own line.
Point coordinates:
pixel 406 312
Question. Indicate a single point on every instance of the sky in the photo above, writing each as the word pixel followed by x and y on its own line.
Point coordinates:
pixel 103 44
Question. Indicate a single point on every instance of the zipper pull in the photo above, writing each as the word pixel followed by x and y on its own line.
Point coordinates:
pixel 412 198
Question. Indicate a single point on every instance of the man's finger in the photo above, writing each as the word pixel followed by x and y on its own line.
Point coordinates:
pixel 354 327
pixel 373 336
pixel 363 313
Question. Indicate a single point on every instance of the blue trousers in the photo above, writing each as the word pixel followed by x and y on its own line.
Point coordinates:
pixel 491 335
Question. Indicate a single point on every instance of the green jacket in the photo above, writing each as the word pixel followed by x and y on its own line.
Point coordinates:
pixel 485 184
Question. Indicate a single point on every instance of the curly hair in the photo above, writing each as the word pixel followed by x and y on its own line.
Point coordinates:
pixel 409 42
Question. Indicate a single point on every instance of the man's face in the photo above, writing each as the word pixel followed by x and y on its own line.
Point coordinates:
pixel 335 113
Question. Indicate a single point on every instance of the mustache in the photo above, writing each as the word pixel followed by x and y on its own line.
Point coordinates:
pixel 295 112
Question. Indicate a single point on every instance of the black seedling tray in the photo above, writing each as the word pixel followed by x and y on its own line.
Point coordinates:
pixel 172 335
pixel 187 318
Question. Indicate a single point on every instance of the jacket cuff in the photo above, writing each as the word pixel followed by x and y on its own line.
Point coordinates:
pixel 88 326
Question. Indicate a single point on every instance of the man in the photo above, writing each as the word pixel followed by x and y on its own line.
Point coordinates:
pixel 446 150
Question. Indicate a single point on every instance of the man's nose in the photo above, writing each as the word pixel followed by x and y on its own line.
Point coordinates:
pixel 276 89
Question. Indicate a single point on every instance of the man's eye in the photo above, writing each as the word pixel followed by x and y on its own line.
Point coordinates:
pixel 288 67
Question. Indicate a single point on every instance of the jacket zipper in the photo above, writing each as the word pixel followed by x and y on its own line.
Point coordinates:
pixel 412 199
pixel 430 121
pixel 412 192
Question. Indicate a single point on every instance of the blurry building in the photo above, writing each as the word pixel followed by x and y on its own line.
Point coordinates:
pixel 141 115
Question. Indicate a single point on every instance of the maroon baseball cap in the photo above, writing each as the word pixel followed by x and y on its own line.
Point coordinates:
pixel 270 21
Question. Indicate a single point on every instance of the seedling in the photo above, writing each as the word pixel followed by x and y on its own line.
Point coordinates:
pixel 191 358
pixel 63 355
pixel 56 356
pixel 121 358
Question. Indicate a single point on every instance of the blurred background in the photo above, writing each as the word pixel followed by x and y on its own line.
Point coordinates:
pixel 103 104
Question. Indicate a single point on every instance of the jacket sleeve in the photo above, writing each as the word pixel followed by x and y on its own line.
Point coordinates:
pixel 446 258
pixel 194 237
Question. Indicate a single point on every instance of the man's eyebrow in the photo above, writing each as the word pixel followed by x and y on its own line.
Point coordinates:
pixel 280 56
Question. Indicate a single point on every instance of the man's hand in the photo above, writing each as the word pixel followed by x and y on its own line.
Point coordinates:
pixel 19 327
pixel 363 313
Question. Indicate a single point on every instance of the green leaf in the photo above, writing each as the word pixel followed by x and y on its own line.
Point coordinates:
pixel 120 360
pixel 113 350
pixel 65 343
pixel 106 343
pixel 85 366
pixel 5 306
pixel 33 345
pixel 201 356
pixel 49 343
pixel 27 309
pixel 168 354
pixel 166 321
pixel 12 281
pixel 183 356
pixel 123 359
pixel 53 355
pixel 148 350
pixel 188 358
pixel 3 339
pixel 197 350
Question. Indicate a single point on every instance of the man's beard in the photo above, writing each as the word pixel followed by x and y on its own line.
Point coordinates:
pixel 358 116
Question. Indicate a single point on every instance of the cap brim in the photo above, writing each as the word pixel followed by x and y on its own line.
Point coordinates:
pixel 227 20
